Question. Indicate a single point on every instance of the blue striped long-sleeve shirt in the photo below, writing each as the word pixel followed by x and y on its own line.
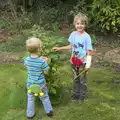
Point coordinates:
pixel 35 68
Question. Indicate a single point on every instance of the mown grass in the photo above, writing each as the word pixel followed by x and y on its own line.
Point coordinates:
pixel 102 102
pixel 103 96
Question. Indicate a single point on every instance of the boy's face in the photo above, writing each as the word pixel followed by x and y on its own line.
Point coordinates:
pixel 79 25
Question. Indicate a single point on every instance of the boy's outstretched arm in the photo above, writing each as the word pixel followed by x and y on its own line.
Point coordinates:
pixel 68 47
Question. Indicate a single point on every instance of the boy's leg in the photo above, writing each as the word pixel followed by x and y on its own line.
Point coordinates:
pixel 83 86
pixel 46 102
pixel 31 105
pixel 76 89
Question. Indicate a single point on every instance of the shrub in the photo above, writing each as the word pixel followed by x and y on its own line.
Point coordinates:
pixel 56 59
pixel 106 14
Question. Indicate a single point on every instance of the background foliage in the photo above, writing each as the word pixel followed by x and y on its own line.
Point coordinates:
pixel 105 14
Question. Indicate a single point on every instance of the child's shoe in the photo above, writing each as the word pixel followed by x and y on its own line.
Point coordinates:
pixel 50 114
pixel 75 98
pixel 81 99
pixel 31 118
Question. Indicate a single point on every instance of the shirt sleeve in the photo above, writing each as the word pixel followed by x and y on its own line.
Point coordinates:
pixel 71 37
pixel 25 61
pixel 89 43
pixel 45 66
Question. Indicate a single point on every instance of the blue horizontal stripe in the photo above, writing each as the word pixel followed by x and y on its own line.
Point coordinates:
pixel 31 79
pixel 34 82
pixel 35 70
pixel 36 77
pixel 34 66
pixel 32 61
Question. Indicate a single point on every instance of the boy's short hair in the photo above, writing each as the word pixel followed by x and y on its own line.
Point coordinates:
pixel 33 45
pixel 82 17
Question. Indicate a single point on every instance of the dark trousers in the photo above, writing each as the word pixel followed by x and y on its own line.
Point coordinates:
pixel 80 86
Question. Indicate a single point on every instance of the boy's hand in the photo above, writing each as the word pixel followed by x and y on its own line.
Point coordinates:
pixel 86 69
pixel 92 52
pixel 56 48
pixel 46 72
pixel 45 58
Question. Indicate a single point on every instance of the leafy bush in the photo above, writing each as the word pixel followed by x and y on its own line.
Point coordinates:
pixel 24 20
pixel 94 39
pixel 56 59
pixel 106 14
pixel 15 20
pixel 51 18
pixel 81 6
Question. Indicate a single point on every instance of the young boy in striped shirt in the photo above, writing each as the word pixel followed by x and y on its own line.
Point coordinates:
pixel 37 67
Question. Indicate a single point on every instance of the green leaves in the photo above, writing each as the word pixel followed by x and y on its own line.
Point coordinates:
pixel 53 90
pixel 93 37
pixel 106 14
pixel 56 59
pixel 81 6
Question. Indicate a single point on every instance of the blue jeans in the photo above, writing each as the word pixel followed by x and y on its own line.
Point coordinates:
pixel 45 101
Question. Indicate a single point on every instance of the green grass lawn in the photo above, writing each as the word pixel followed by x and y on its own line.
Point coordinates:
pixel 102 102
pixel 103 96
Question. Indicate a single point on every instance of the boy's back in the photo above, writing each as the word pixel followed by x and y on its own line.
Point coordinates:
pixel 36 67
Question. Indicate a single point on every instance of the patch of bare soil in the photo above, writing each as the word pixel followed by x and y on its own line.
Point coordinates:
pixel 5 57
pixel 4 34
pixel 113 55
pixel 65 31
pixel 9 58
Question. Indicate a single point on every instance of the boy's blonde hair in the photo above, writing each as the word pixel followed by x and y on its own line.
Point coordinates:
pixel 82 17
pixel 33 45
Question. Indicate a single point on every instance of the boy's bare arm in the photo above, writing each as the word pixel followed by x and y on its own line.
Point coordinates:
pixel 46 72
pixel 62 48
